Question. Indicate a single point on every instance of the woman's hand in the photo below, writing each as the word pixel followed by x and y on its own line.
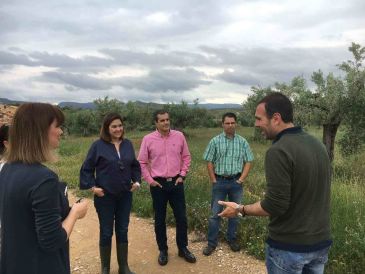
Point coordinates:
pixel 80 208
pixel 135 186
pixel 98 191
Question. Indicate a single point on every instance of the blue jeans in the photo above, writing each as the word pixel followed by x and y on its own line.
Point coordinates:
pixel 220 190
pixel 112 207
pixel 284 262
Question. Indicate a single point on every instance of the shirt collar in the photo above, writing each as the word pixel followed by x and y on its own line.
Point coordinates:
pixel 225 135
pixel 290 130
pixel 160 135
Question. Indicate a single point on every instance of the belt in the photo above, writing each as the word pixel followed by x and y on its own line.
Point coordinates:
pixel 228 177
pixel 168 179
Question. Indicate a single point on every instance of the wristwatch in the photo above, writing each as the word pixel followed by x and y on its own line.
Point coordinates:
pixel 240 210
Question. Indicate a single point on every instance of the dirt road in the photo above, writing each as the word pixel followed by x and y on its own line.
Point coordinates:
pixel 143 251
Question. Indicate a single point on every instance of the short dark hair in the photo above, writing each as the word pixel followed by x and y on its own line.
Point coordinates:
pixel 108 119
pixel 277 102
pixel 28 134
pixel 159 112
pixel 230 115
pixel 4 136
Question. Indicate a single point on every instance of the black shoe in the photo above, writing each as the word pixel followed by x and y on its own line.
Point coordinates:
pixel 163 258
pixel 187 255
pixel 235 247
pixel 122 257
pixel 208 250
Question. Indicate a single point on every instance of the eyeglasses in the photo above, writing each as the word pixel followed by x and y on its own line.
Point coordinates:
pixel 121 165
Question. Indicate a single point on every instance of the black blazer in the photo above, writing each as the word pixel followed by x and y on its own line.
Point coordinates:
pixel 33 204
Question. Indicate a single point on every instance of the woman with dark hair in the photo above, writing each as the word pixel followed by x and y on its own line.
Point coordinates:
pixel 4 137
pixel 36 218
pixel 112 173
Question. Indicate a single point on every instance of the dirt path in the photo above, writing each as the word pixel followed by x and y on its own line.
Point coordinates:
pixel 143 251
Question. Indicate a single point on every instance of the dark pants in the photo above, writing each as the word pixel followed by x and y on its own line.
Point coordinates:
pixel 113 207
pixel 175 196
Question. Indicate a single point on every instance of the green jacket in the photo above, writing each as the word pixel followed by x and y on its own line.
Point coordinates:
pixel 298 175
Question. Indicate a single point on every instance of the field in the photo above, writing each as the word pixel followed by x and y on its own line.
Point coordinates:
pixel 347 254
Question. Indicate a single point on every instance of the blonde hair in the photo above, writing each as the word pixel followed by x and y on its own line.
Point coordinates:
pixel 29 141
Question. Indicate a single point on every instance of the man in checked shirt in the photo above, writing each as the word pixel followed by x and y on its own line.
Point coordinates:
pixel 229 161
pixel 165 159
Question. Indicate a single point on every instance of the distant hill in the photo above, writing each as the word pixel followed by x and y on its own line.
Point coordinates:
pixel 154 105
pixel 10 102
pixel 76 105
pixel 91 105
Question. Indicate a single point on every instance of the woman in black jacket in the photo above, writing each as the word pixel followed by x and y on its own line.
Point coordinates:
pixel 36 220
pixel 112 173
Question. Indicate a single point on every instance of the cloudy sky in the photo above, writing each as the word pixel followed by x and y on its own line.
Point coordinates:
pixel 168 51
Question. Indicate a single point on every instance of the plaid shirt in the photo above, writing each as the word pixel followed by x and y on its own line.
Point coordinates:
pixel 228 155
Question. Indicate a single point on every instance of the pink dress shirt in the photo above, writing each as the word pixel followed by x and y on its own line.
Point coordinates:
pixel 164 156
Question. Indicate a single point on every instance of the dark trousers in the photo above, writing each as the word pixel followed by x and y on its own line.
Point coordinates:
pixel 175 196
pixel 113 207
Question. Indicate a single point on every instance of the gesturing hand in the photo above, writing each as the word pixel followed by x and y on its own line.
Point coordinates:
pixel 230 210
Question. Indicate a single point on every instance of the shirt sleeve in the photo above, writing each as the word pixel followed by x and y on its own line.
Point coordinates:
pixel 87 171
pixel 143 159
pixel 185 157
pixel 278 179
pixel 46 206
pixel 210 152
pixel 248 155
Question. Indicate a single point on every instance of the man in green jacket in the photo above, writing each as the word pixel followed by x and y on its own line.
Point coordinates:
pixel 297 198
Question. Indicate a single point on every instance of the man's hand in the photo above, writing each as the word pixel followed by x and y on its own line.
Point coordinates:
pixel 98 191
pixel 154 184
pixel 179 180
pixel 230 210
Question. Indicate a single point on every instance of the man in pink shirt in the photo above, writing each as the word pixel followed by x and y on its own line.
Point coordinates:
pixel 165 159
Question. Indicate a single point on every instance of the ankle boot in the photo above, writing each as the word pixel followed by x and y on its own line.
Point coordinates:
pixel 122 256
pixel 105 258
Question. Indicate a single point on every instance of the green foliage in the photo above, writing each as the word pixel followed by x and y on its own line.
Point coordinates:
pixel 80 122
pixel 333 101
pixel 136 116
pixel 355 110
pixel 247 117
pixel 183 116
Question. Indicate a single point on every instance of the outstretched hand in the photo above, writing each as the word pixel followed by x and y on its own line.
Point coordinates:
pixel 230 210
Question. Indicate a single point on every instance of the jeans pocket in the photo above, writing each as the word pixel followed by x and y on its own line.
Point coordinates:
pixel 282 261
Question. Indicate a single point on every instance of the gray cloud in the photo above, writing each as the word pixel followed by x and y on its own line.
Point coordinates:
pixel 166 80
pixel 179 45
pixel 260 66
pixel 156 81
pixel 76 80
pixel 8 58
